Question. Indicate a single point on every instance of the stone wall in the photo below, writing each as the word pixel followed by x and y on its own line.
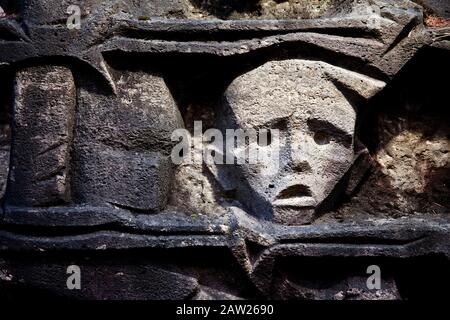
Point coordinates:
pixel 356 91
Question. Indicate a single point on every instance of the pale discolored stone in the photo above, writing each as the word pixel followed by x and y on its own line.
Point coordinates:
pixel 265 9
pixel 409 163
pixel 194 192
pixel 306 101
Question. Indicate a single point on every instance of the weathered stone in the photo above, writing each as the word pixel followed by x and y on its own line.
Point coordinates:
pixel 99 283
pixel 4 168
pixel 86 141
pixel 440 8
pixel 44 115
pixel 265 9
pixel 122 150
pixel 303 100
pixel 5 150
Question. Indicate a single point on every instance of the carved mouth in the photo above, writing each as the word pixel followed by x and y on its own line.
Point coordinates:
pixel 298 196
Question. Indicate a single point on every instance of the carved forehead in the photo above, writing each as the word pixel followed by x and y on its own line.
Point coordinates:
pixel 291 88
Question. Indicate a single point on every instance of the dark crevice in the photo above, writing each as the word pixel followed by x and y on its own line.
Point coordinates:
pixel 424 277
pixel 354 241
pixel 254 250
pixel 12 6
pixel 224 8
pixel 132 209
pixel 295 191
pixel 402 35
pixel 417 94
pixel 8 35
pixel 237 35
pixel 182 66
pixel 52 147
pixel 332 131
pixel 58 171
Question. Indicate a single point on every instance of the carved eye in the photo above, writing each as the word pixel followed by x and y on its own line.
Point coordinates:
pixel 321 138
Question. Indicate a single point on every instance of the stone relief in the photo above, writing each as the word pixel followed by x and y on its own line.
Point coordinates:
pixel 316 123
pixel 86 123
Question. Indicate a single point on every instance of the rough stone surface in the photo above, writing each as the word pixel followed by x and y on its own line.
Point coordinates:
pixel 122 148
pixel 44 112
pixel 4 160
pixel 436 7
pixel 303 100
pixel 265 9
pixel 5 150
pixel 86 177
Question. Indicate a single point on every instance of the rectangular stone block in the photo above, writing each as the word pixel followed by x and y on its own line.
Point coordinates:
pixel 44 112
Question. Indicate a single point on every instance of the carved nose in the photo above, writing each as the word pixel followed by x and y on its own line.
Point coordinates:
pixel 299 159
pixel 300 166
pixel 301 151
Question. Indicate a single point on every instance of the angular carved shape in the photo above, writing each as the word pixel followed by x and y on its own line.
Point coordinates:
pixel 44 112
pixel 122 150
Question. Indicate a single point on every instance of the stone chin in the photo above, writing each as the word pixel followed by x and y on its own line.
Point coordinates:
pixel 294 205
pixel 293 215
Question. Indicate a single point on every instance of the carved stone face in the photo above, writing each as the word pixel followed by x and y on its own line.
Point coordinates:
pixel 316 124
